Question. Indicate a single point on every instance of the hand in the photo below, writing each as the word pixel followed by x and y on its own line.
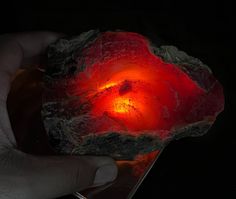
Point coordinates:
pixel 24 176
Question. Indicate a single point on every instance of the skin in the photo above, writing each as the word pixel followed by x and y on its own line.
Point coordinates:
pixel 25 176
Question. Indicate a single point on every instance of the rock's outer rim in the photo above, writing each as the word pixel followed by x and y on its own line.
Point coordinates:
pixel 62 55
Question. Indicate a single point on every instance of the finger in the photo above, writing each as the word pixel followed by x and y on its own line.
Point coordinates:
pixel 17 48
pixel 14 48
pixel 51 177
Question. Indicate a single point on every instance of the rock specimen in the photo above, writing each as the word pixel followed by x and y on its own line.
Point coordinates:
pixel 117 94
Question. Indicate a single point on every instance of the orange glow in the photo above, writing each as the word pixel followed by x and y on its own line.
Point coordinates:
pixel 130 89
pixel 108 85
pixel 123 105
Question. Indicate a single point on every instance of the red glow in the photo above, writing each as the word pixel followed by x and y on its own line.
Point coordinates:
pixel 141 162
pixel 131 87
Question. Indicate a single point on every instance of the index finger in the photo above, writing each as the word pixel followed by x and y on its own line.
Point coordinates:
pixel 15 48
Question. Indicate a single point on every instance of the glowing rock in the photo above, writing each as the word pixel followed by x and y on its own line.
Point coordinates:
pixel 116 94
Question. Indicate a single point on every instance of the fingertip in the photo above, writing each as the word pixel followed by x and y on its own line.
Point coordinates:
pixel 105 174
pixel 104 170
pixel 50 37
pixel 35 43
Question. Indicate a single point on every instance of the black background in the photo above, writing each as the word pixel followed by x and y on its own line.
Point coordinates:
pixel 191 167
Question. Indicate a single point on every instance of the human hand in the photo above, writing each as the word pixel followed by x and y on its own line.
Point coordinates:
pixel 24 176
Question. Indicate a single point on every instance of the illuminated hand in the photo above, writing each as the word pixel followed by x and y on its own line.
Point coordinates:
pixel 25 176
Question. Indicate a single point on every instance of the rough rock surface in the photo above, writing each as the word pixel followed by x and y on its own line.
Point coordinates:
pixel 74 118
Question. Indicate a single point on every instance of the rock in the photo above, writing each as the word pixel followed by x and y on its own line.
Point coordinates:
pixel 117 94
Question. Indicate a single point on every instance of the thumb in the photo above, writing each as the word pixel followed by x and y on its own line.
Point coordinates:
pixel 51 177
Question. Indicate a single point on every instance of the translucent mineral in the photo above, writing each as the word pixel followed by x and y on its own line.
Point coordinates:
pixel 117 94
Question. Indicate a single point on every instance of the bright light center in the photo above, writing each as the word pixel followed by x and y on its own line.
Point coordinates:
pixel 108 85
pixel 123 105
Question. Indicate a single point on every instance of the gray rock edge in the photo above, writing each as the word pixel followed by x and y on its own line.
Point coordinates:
pixel 61 61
